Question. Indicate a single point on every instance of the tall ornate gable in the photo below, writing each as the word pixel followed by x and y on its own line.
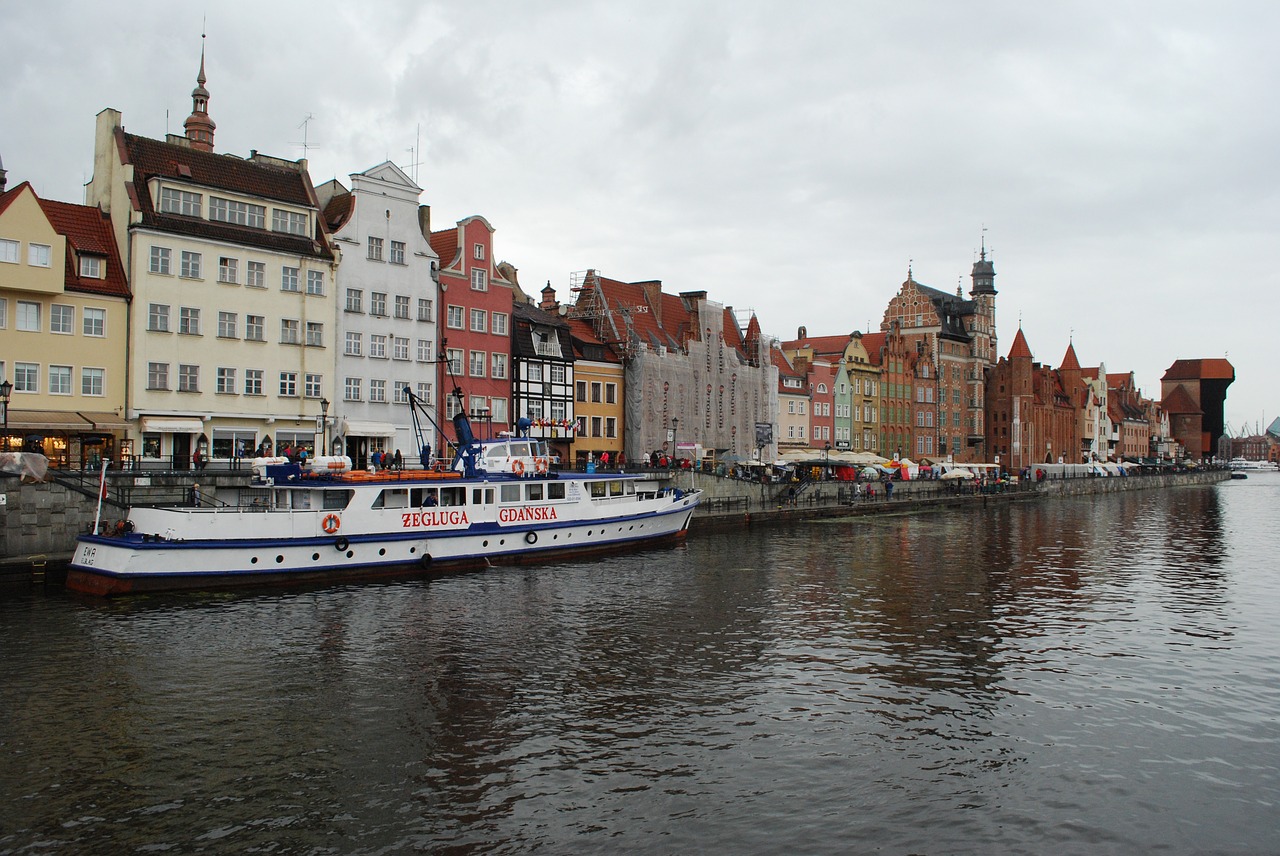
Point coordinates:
pixel 687 360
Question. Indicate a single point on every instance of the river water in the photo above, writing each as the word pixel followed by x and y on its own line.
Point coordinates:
pixel 1097 675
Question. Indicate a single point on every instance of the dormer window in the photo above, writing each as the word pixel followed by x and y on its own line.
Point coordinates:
pixel 174 201
pixel 91 267
pixel 289 222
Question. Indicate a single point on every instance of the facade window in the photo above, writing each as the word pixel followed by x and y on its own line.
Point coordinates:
pixel 400 347
pixel 478 360
pixel 533 408
pixel 479 280
pixel 355 300
pixel 290 222
pixel 91 267
pixel 426 311
pixel 158 317
pixel 39 255
pixel 402 306
pixel 378 303
pixel 315 334
pixel 94 323
pixel 498 410
pixel 424 390
pixel 174 201
pixel 237 213
pixel 581 388
pixel 451 408
pixel 375 254
pixel 289 278
pixel 533 372
pixel 189 265
pixel 315 282
pixel 288 331
pixel 559 410
pixel 480 406
pixel 611 426
pixel 256 274
pixel 611 393
pixel 354 344
pixel 398 392
pixel 499 320
pixel 597 390
pixel 253 381
pixel 228 270
pixel 377 390
pixel 351 389
pixel 425 354
pixel 92 382
pixel 62 318
pixel 453 318
pixel 157 375
pixel 477 252
pixel 59 380
pixel 397 252
pixel 26 377
pixel 454 361
pixel 289 384
pixel 311 385
pixel 9 251
pixel 188 378
pixel 499 367
pixel 479 321
pixel 226 381
pixel 161 260
pixel 377 346
pixel 255 328
pixel 597 426
pixel 227 324
pixel 189 320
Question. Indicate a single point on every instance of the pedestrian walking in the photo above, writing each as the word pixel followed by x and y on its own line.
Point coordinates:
pixel 888 491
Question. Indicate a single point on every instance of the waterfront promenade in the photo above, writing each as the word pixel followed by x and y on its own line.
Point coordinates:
pixel 41 521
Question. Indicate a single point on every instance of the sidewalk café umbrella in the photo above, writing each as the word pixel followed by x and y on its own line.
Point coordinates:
pixel 957 474
pixel 871 472
pixel 864 458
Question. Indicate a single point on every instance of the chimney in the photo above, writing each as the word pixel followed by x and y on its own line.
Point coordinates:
pixel 424 220
pixel 653 296
pixel 549 302
pixel 4 176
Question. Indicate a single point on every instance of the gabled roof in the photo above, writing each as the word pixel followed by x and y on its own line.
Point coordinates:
pixel 529 320
pixel 339 210
pixel 1179 401
pixel 951 310
pixel 6 198
pixel 874 343
pixel 825 346
pixel 445 243
pixel 88 232
pixel 288 184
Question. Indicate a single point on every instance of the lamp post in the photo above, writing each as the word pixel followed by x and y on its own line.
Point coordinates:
pixel 826 461
pixel 6 390
pixel 675 443
pixel 322 428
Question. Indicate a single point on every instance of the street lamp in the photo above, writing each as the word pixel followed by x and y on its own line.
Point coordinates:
pixel 675 443
pixel 6 390
pixel 324 427
pixel 826 461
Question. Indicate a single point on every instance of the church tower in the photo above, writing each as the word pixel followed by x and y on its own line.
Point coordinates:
pixel 199 126
pixel 984 298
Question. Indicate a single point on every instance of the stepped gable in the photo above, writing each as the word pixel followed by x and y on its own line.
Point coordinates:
pixel 288 184
pixel 88 231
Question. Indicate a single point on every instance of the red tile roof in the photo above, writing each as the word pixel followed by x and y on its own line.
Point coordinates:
pixel 874 343
pixel 1211 369
pixel 287 184
pixel 1069 361
pixel 1020 347
pixel 339 210
pixel 88 232
pixel 1179 401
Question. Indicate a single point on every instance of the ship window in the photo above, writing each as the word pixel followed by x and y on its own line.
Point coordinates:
pixel 597 489
pixel 335 499
pixel 510 492
pixel 482 496
pixel 615 488
pixel 533 492
pixel 555 490
pixel 630 488
pixel 301 498
pixel 451 496
pixel 424 497
pixel 392 498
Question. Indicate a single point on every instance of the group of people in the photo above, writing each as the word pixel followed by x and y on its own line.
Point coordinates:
pixel 381 460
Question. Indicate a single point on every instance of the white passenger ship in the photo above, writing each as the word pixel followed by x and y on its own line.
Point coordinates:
pixel 506 505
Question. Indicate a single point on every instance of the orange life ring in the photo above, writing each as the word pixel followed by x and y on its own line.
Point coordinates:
pixel 517 467
pixel 331 523
pixel 541 465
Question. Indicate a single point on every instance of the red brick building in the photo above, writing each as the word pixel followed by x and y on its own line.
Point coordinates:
pixel 1194 392
pixel 1030 415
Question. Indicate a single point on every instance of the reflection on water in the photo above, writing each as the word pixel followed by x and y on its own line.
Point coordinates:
pixel 1062 676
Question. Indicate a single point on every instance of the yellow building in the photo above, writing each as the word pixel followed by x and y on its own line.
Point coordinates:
pixel 598 397
pixel 233 273
pixel 64 304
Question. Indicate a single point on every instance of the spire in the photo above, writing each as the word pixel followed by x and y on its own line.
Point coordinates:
pixel 1069 361
pixel 199 126
pixel 1020 347
pixel 984 272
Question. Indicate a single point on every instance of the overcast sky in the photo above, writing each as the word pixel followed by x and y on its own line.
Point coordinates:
pixel 788 158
